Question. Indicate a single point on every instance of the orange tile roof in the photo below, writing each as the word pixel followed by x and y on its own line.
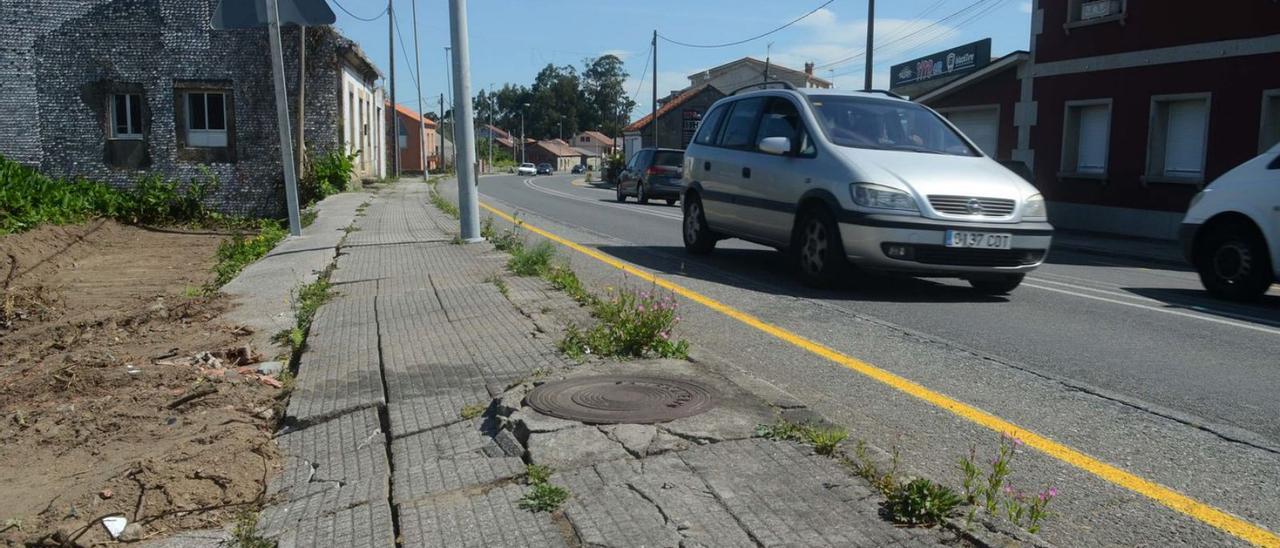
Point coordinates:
pixel 408 112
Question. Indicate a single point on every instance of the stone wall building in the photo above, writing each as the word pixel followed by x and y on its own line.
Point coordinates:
pixel 113 90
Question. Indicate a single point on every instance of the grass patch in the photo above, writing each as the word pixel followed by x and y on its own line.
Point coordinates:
pixel 443 204
pixel 531 261
pixel 471 411
pixel 308 217
pixel 501 283
pixel 245 534
pixel 535 474
pixel 240 250
pixel 825 440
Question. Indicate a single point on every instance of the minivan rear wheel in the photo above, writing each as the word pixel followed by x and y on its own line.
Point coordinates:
pixel 999 285
pixel 698 238
pixel 1233 262
pixel 620 197
pixel 818 251
pixel 641 196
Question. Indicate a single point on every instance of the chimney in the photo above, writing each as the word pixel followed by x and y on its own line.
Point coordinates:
pixel 808 69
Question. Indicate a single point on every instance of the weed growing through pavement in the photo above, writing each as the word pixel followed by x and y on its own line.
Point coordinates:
pixel 498 281
pixel 308 217
pixel 471 411
pixel 245 534
pixel 443 204
pixel 486 228
pixel 825 440
pixel 995 492
pixel 563 278
pixel 922 502
pixel 531 261
pixel 631 324
pixel 1000 471
pixel 542 496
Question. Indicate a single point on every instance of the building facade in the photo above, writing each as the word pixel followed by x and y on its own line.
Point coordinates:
pixel 417 140
pixel 1122 110
pixel 1129 108
pixel 733 75
pixel 677 121
pixel 114 90
pixel 559 154
pixel 594 143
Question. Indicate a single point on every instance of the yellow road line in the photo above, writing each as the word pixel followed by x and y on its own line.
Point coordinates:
pixel 1206 513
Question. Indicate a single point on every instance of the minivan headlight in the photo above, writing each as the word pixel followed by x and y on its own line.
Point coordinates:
pixel 882 197
pixel 1035 208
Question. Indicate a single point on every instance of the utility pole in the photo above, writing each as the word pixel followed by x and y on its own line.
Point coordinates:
pixel 654 122
pixel 417 64
pixel 493 102
pixel 464 126
pixel 282 118
pixel 395 115
pixel 302 98
pixel 767 52
pixel 440 130
pixel 871 31
pixel 453 101
pixel 526 105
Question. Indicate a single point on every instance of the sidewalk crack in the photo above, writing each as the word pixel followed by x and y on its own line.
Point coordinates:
pixel 720 500
pixel 384 419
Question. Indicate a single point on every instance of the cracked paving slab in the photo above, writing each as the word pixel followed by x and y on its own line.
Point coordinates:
pixel 450 458
pixel 490 518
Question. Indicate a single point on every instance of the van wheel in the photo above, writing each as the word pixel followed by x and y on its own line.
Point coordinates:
pixel 671 201
pixel 620 197
pixel 1233 262
pixel 698 238
pixel 818 251
pixel 640 194
pixel 1001 285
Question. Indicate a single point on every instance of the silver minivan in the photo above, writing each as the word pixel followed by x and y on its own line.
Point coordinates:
pixel 862 178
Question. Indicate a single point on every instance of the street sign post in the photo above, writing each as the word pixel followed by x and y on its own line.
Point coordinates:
pixel 243 14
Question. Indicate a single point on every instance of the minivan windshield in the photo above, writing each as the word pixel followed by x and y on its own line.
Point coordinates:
pixel 886 125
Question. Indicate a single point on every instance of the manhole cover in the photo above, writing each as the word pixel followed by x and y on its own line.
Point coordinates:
pixel 613 399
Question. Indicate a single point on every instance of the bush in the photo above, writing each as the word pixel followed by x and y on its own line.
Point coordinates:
pixel 238 251
pixel 631 325
pixel 531 261
pixel 922 502
pixel 330 174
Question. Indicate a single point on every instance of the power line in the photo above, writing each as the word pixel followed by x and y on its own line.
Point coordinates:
pixel 756 37
pixel 905 36
pixel 640 83
pixel 348 12
pixel 920 41
pixel 408 68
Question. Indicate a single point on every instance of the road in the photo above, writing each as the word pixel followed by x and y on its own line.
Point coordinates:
pixel 1128 363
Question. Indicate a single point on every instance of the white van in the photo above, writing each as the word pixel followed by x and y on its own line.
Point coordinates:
pixel 1232 231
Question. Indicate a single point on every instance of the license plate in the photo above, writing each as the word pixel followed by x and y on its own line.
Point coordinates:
pixel 979 240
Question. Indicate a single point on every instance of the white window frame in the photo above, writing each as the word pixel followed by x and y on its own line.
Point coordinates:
pixel 1069 166
pixel 1157 138
pixel 206 138
pixel 1269 130
pixel 134 133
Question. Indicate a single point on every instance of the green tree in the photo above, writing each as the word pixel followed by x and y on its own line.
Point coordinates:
pixel 603 81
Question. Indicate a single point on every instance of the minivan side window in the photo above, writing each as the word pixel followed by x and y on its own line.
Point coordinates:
pixel 782 119
pixel 740 127
pixel 707 130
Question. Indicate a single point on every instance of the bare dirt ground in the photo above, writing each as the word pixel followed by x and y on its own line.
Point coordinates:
pixel 99 327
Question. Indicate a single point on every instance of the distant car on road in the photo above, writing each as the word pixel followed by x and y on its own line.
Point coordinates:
pixel 862 178
pixel 578 169
pixel 545 169
pixel 526 169
pixel 1231 232
pixel 652 173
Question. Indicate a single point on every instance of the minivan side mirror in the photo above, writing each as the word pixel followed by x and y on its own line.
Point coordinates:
pixel 775 145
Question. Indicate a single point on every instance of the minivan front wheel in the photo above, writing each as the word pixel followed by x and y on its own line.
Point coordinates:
pixel 1233 262
pixel 641 196
pixel 818 250
pixel 698 239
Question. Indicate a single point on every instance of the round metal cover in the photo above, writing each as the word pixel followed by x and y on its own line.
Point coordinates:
pixel 616 399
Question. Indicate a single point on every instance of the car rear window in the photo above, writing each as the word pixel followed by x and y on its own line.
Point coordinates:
pixel 668 158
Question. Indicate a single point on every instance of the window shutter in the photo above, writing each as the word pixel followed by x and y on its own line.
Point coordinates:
pixel 1092 149
pixel 1184 138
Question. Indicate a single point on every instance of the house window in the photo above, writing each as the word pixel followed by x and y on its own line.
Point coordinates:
pixel 1086 138
pixel 126 116
pixel 206 119
pixel 1091 11
pixel 1177 138
pixel 1270 134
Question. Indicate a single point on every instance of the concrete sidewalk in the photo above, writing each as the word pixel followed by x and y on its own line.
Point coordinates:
pixel 378 451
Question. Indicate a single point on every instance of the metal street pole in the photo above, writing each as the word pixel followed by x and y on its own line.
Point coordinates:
pixel 440 130
pixel 395 115
pixel 654 122
pixel 522 133
pixel 493 102
pixel 453 101
pixel 417 73
pixel 282 117
pixel 871 30
pixel 302 99
pixel 464 124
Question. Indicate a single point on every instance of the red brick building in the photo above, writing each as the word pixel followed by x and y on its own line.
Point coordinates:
pixel 1126 108
pixel 415 131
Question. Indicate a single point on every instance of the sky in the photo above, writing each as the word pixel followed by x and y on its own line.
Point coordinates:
pixel 511 40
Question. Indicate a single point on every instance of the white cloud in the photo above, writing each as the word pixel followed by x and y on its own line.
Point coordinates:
pixel 1025 7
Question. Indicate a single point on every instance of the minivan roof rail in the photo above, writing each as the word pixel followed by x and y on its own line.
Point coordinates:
pixel 764 85
pixel 885 92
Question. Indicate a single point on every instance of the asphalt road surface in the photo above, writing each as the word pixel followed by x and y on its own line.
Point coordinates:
pixel 1131 364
